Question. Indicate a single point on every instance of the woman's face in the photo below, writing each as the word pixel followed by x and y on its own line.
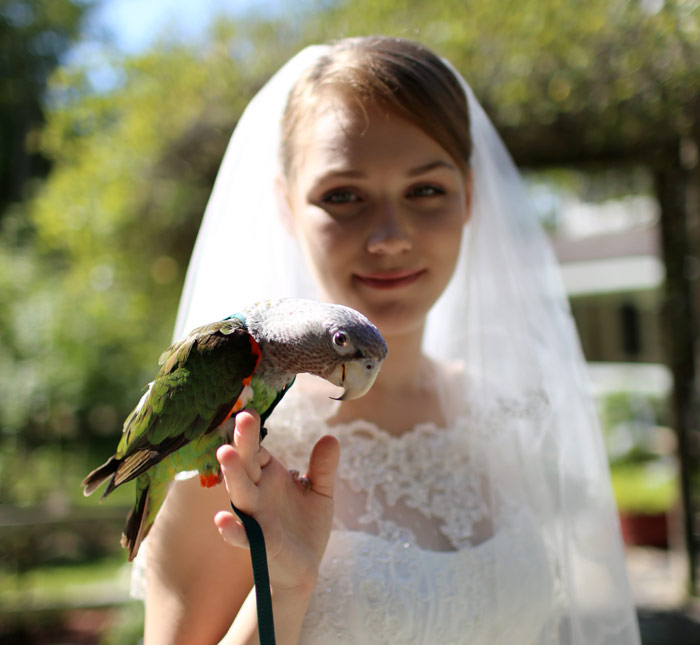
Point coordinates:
pixel 379 208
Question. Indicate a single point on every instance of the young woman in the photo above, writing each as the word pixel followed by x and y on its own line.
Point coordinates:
pixel 466 498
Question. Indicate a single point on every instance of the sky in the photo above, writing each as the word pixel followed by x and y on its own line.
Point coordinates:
pixel 134 24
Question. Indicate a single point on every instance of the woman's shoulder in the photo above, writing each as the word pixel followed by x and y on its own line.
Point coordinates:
pixel 478 397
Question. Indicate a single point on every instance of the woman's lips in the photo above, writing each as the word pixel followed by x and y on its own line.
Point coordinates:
pixel 390 279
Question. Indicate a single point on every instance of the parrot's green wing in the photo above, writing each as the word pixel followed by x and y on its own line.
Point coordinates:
pixel 195 390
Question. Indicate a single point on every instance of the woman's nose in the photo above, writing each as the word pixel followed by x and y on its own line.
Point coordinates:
pixel 390 234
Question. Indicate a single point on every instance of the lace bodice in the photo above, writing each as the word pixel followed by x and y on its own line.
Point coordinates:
pixel 371 590
pixel 427 546
pixel 414 556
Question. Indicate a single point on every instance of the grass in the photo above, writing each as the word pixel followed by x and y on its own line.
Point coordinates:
pixel 100 582
pixel 60 560
pixel 82 602
pixel 57 547
pixel 645 487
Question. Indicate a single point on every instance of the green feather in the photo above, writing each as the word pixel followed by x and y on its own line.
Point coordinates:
pixel 171 430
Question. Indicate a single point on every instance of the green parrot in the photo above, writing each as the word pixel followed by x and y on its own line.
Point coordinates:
pixel 248 360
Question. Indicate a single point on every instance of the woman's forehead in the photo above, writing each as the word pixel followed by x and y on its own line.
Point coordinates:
pixel 340 115
pixel 346 133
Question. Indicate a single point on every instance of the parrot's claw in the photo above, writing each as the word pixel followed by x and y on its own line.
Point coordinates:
pixel 304 481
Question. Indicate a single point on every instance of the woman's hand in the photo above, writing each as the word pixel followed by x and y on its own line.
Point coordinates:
pixel 295 515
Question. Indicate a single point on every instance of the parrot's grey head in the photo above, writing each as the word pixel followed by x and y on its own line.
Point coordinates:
pixel 334 342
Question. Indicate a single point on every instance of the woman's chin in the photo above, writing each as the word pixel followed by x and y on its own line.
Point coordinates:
pixel 393 317
pixel 396 319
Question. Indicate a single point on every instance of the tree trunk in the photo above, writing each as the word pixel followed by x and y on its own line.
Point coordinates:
pixel 679 241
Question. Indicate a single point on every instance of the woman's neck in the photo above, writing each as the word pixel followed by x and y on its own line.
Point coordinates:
pixel 404 394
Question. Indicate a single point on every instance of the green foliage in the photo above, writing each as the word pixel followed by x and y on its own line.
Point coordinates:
pixel 618 407
pixel 34 34
pixel 633 425
pixel 126 626
pixel 605 69
pixel 49 476
pixel 91 301
pixel 92 267
pixel 640 449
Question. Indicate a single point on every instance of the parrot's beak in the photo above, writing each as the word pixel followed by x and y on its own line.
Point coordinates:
pixel 355 377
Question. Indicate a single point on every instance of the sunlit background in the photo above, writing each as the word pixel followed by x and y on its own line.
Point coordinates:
pixel 114 116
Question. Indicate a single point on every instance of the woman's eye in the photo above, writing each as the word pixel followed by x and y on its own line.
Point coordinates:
pixel 426 191
pixel 340 197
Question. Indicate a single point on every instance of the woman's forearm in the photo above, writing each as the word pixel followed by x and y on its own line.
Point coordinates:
pixel 288 607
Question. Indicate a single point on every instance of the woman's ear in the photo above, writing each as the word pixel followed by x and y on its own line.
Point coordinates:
pixel 283 204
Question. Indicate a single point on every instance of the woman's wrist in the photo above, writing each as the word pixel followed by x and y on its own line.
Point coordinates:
pixel 301 592
pixel 288 607
pixel 300 582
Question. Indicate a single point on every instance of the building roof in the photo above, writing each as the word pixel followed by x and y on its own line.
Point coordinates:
pixel 612 262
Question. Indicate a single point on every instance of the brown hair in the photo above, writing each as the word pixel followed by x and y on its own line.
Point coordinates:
pixel 399 75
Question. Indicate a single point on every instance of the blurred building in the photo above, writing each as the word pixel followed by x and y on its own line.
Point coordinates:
pixel 614 281
pixel 610 258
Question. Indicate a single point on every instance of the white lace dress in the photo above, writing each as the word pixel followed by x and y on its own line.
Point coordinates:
pixel 417 553
pixel 413 557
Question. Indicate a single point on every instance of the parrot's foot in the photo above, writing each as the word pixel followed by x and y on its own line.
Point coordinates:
pixel 304 481
pixel 210 480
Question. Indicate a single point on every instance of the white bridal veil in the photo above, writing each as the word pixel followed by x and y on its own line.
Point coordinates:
pixel 504 316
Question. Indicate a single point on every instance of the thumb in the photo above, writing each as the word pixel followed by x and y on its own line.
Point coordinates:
pixel 322 464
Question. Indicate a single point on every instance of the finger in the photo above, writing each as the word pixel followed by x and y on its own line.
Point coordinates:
pixel 241 489
pixel 263 457
pixel 250 430
pixel 246 440
pixel 322 464
pixel 231 529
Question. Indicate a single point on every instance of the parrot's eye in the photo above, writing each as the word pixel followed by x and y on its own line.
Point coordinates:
pixel 340 339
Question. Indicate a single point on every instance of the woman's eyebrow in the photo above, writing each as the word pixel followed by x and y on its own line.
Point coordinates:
pixel 343 173
pixel 433 165
pixel 351 173
pixel 330 176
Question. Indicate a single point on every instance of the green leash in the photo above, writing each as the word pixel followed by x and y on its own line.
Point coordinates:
pixel 258 557
pixel 261 577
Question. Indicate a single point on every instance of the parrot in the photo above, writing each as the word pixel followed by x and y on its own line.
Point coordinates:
pixel 247 360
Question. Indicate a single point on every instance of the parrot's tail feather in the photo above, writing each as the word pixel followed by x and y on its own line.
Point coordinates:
pixel 94 480
pixel 136 530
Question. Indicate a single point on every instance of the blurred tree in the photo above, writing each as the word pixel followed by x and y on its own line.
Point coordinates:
pixel 34 35
pixel 562 81
pixel 91 292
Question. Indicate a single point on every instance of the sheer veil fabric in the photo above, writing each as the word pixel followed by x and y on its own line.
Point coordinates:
pixel 504 320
